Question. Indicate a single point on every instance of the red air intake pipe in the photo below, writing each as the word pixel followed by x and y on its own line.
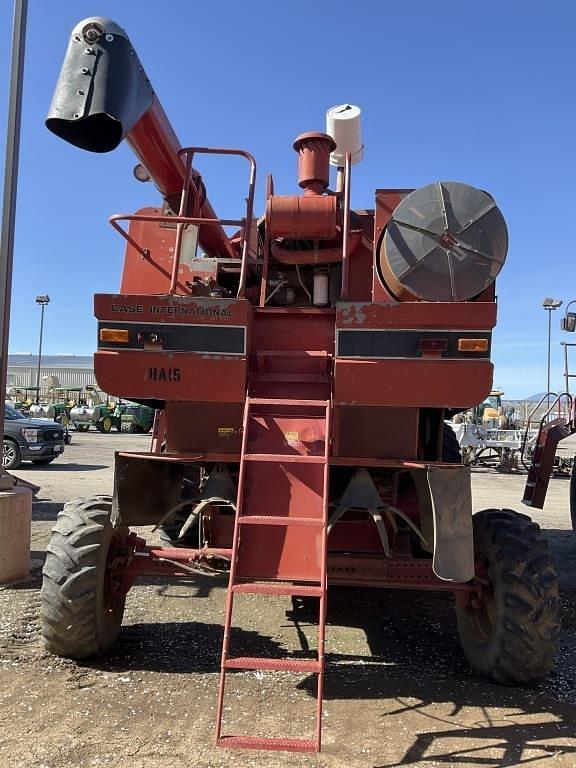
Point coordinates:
pixel 103 96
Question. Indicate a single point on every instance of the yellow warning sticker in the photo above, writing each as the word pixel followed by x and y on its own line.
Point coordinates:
pixel 292 437
pixel 226 432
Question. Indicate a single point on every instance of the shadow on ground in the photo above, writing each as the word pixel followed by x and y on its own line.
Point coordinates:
pixel 63 467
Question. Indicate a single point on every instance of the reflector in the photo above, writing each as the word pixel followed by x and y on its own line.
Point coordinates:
pixel 472 345
pixel 121 336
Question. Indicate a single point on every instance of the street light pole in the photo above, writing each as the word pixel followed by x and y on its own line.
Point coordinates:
pixel 549 305
pixel 43 301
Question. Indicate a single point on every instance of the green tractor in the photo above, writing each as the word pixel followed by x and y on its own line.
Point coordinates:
pixel 63 400
pixel 101 416
pixel 123 416
pixel 134 417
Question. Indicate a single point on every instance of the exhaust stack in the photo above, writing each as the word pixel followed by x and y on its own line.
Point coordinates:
pixel 103 96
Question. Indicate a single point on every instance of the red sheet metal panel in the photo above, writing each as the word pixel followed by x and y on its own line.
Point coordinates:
pixel 384 433
pixel 426 315
pixel 212 427
pixel 162 376
pixel 416 383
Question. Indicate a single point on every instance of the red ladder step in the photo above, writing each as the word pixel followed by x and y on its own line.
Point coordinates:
pixel 289 590
pixel 300 458
pixel 279 520
pixel 289 403
pixel 263 742
pixel 275 665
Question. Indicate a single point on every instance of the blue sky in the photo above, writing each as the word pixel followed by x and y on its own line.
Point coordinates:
pixel 450 90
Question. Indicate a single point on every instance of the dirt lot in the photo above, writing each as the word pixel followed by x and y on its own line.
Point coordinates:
pixel 398 691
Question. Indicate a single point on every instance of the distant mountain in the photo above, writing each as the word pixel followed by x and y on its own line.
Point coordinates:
pixel 534 398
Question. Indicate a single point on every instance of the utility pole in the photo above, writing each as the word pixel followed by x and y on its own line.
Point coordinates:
pixel 9 200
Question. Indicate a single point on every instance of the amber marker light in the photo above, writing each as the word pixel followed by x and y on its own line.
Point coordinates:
pixel 472 345
pixel 116 335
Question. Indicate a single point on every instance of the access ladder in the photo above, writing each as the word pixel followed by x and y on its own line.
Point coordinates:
pixel 279 545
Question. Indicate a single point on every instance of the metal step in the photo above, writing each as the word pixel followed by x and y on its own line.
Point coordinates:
pixel 299 458
pixel 275 665
pixel 264 588
pixel 280 520
pixel 264 742
pixel 289 403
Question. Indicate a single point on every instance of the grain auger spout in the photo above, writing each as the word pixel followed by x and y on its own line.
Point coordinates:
pixel 103 96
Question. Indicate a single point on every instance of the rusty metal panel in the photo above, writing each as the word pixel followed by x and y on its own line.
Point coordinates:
pixel 385 433
pixel 478 315
pixel 164 308
pixel 213 427
pixel 433 383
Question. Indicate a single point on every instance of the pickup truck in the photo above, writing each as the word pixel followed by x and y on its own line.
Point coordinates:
pixel 37 440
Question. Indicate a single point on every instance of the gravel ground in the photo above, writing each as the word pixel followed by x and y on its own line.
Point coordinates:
pixel 398 691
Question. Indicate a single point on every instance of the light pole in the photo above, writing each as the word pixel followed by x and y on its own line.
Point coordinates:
pixel 43 301
pixel 550 304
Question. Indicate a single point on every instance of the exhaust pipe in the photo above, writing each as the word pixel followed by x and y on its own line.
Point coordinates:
pixel 103 96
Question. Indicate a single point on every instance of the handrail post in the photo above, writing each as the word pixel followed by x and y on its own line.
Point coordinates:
pixel 346 228
pixel 247 229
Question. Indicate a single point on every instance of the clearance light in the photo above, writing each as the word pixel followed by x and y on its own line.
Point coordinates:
pixel 472 345
pixel 119 336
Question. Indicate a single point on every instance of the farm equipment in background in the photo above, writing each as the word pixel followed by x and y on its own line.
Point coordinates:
pixel 56 405
pixel 122 416
pixel 100 416
pixel 134 418
pixel 302 371
pixel 22 398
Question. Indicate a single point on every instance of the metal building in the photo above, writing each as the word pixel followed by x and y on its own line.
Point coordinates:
pixel 69 370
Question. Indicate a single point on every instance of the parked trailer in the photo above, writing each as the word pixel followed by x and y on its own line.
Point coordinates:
pixel 302 370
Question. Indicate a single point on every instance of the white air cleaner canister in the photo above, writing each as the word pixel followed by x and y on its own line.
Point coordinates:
pixel 343 124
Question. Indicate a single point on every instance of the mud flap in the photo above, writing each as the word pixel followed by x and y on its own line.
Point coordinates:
pixel 144 489
pixel 451 496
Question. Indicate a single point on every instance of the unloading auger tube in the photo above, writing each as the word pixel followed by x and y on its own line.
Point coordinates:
pixel 103 96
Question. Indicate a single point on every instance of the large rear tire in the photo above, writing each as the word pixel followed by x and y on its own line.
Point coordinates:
pixel 80 615
pixel 511 634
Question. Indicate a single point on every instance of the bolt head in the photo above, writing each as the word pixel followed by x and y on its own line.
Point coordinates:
pixel 109 37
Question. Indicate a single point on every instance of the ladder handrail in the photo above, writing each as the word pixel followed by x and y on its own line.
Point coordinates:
pixel 557 400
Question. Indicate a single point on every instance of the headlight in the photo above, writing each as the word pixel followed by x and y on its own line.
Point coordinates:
pixel 30 435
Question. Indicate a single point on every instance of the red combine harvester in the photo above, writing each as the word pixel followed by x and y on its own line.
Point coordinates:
pixel 302 371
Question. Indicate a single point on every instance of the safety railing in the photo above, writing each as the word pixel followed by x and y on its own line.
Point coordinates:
pixel 556 402
pixel 182 221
